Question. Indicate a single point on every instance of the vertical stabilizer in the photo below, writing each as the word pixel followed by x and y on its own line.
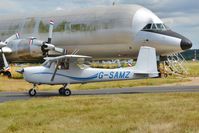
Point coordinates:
pixel 147 61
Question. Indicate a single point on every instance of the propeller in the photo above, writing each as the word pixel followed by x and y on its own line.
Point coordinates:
pixel 46 46
pixel 4 45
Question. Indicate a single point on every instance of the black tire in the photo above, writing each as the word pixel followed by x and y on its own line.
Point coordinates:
pixel 8 74
pixel 67 92
pixel 61 91
pixel 32 92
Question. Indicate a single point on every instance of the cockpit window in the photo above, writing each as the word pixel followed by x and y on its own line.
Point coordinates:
pixel 156 26
pixel 147 27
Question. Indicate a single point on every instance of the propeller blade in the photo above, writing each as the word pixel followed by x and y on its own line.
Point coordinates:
pixel 60 50
pixel 2 44
pixel 7 67
pixel 17 35
pixel 13 37
pixel 51 26
pixel 53 77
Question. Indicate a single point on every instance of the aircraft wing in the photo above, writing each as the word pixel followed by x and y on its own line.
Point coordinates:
pixel 59 58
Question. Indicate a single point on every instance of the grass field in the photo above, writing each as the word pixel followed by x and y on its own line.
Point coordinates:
pixel 138 113
pixel 193 68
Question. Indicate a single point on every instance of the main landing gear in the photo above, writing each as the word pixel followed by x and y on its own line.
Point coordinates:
pixel 6 73
pixel 64 91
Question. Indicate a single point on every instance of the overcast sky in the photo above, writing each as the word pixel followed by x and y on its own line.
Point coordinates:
pixel 181 15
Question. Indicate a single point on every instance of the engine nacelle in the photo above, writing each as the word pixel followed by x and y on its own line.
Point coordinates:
pixel 48 46
pixel 23 51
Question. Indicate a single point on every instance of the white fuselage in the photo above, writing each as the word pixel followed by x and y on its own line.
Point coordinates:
pixel 43 75
pixel 100 32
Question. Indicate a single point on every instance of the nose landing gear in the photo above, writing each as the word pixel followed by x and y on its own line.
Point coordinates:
pixel 32 92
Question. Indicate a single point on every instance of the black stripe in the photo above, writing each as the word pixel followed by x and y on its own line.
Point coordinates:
pixel 167 33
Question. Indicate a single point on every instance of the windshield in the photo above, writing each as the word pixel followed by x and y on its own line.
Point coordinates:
pixel 156 26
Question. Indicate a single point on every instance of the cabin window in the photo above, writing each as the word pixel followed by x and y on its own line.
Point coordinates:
pixel 60 25
pixel 9 28
pixel 153 27
pixel 29 26
pixel 43 27
pixel 64 65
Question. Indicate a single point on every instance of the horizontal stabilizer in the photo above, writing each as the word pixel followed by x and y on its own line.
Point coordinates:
pixel 147 61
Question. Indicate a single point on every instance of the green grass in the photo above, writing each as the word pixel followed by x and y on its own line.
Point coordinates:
pixel 138 113
pixel 193 68
pixel 130 83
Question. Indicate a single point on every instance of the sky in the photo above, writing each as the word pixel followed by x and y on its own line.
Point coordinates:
pixel 181 16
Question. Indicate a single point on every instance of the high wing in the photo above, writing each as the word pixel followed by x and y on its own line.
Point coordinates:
pixel 60 58
pixel 78 59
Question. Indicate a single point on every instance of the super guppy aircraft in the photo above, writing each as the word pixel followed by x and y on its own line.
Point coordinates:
pixel 100 32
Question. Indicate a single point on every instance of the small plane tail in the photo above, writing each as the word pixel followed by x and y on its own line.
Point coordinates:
pixel 147 62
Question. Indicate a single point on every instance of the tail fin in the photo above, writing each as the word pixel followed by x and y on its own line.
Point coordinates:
pixel 147 62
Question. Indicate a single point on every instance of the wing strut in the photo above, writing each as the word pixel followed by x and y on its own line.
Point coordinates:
pixel 56 68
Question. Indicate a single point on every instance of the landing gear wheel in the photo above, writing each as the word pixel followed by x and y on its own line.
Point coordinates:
pixel 32 92
pixel 61 91
pixel 8 74
pixel 64 92
pixel 67 92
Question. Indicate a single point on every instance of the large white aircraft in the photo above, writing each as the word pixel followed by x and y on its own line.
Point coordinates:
pixel 101 32
pixel 69 69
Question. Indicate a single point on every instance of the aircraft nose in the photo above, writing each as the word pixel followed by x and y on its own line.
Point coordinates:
pixel 185 44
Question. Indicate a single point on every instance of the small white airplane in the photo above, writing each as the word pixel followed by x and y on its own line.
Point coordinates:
pixel 69 69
